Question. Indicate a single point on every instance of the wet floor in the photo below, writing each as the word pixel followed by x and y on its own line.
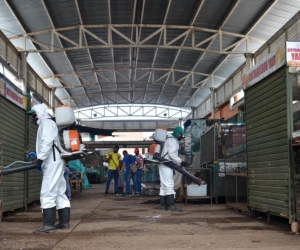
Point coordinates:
pixel 110 222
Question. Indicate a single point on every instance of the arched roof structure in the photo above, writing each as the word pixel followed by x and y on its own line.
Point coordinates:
pixel 159 52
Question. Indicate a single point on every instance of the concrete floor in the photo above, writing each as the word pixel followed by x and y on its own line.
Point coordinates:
pixel 110 222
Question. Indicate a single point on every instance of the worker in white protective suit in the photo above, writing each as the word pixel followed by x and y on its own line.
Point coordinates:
pixel 170 152
pixel 52 196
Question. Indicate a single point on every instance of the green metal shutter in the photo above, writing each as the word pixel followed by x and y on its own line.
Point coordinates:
pixel 34 179
pixel 12 135
pixel 267 145
pixel 1 182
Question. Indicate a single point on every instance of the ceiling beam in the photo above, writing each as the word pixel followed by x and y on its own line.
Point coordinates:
pixel 263 14
pixel 159 41
pixel 60 42
pixel 109 39
pixel 71 86
pixel 88 51
pixel 183 42
pixel 22 26
pixel 98 71
pixel 128 43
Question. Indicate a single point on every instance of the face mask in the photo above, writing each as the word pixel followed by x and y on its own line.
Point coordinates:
pixel 35 120
pixel 38 122
pixel 179 138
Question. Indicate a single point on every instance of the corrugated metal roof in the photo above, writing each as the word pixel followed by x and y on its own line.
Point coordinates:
pixel 173 62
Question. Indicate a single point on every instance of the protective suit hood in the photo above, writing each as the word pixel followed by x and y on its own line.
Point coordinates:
pixel 41 111
pixel 177 131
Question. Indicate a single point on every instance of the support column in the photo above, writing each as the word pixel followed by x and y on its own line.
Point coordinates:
pixel 248 57
pixel 249 64
pixel 212 102
pixel 1 169
pixel 193 112
pixel 24 72
pixel 52 100
pixel 180 122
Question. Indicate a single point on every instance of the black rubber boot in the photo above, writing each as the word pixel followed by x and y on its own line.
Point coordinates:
pixel 64 218
pixel 171 203
pixel 163 203
pixel 48 220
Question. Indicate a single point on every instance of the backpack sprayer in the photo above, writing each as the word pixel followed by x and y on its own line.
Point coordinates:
pixel 68 144
pixel 160 136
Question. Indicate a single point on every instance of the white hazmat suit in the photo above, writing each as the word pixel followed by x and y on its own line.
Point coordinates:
pixel 53 184
pixel 170 152
pixel 53 188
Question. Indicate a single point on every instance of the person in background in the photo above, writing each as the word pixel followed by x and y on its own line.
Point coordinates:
pixel 114 163
pixel 49 161
pixel 66 176
pixel 139 164
pixel 127 160
pixel 170 152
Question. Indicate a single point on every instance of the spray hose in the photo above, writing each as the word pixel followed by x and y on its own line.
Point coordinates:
pixel 28 166
pixel 15 162
pixel 176 167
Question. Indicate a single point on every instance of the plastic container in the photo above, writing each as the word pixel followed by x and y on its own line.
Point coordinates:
pixel 152 148
pixel 66 137
pixel 149 157
pixel 64 115
pixel 71 140
pixel 157 148
pixel 74 140
pixel 195 190
pixel 160 134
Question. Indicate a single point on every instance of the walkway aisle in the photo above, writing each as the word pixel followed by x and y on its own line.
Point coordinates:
pixel 110 222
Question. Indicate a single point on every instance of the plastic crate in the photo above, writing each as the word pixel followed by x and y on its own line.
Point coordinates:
pixel 195 190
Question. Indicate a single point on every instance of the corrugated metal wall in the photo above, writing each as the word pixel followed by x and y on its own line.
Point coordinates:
pixel 1 168
pixel 268 159
pixel 34 179
pixel 12 135
pixel 18 189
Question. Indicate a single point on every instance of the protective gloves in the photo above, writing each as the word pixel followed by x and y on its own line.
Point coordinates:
pixel 39 163
pixel 31 155
pixel 184 164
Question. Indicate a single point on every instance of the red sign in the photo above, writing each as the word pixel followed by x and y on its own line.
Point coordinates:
pixel 265 67
pixel 15 97
pixel 293 54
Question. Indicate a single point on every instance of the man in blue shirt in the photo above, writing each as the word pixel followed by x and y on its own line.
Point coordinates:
pixel 127 160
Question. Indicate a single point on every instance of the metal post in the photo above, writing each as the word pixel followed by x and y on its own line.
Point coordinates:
pixel 24 71
pixel 52 99
pixel 236 191
pixel 1 169
pixel 193 112
pixel 101 168
pixel 211 184
pixel 248 57
pixel 212 104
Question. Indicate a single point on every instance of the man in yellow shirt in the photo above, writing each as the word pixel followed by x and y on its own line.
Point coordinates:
pixel 114 160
